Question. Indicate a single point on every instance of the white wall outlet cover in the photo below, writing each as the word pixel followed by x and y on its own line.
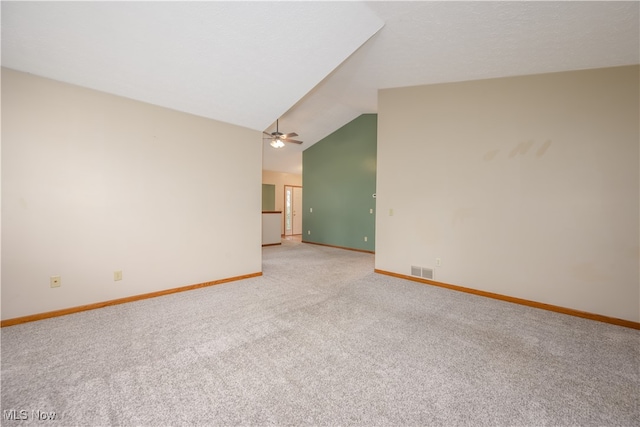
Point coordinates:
pixel 55 281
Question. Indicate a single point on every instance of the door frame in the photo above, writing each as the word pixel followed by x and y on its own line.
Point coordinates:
pixel 284 217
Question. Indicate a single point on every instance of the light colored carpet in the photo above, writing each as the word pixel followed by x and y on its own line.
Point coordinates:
pixel 320 339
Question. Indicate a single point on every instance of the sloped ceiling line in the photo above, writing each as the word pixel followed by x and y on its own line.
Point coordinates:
pixel 244 63
pixel 314 65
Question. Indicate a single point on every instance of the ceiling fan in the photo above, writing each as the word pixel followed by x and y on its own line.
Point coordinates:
pixel 278 138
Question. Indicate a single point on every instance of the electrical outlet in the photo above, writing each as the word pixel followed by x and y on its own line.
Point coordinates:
pixel 370 211
pixel 310 210
pixel 365 238
pixel 55 281
pixel 117 275
pixel 438 262
pixel 309 232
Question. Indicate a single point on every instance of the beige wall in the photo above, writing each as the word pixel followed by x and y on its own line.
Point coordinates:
pixel 524 186
pixel 93 183
pixel 280 179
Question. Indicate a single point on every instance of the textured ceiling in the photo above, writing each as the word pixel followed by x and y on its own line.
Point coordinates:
pixel 249 63
pixel 436 42
pixel 244 63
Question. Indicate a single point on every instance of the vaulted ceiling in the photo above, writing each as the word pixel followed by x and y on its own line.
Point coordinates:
pixel 314 65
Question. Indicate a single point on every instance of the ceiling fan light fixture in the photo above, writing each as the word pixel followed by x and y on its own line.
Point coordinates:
pixel 277 143
pixel 278 138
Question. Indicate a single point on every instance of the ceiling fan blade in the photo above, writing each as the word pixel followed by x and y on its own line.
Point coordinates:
pixel 292 140
pixel 289 135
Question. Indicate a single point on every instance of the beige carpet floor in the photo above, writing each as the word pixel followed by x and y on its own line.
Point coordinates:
pixel 320 339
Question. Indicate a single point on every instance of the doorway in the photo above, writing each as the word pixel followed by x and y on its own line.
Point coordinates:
pixel 292 210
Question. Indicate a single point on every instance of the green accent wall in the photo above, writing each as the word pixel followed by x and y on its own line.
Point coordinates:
pixel 339 179
pixel 268 197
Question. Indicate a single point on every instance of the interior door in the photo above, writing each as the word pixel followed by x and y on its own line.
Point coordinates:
pixel 297 210
pixel 288 210
pixel 292 210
